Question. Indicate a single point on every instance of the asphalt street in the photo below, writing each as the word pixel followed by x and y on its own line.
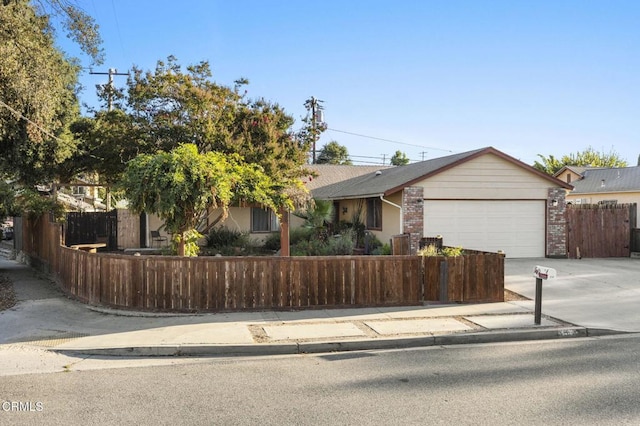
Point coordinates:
pixel 586 381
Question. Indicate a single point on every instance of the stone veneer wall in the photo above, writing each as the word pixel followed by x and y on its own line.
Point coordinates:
pixel 556 223
pixel 413 210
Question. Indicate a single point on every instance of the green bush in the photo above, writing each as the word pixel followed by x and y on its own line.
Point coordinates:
pixel 384 250
pixel 225 237
pixel 432 250
pixel 296 235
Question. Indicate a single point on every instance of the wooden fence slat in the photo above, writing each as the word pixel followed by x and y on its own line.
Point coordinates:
pixel 216 284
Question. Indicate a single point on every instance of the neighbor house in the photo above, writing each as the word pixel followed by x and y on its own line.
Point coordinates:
pixel 606 186
pixel 482 199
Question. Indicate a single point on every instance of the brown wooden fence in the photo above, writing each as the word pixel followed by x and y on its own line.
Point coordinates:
pixel 600 230
pixel 211 284
pixel 635 239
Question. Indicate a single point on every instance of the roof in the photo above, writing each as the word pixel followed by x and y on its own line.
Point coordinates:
pixel 391 180
pixel 579 170
pixel 332 173
pixel 620 179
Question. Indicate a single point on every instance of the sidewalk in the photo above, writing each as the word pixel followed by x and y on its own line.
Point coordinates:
pixel 45 318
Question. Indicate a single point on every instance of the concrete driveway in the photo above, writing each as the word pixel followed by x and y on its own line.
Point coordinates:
pixel 593 293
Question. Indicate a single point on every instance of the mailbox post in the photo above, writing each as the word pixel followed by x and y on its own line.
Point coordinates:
pixel 541 273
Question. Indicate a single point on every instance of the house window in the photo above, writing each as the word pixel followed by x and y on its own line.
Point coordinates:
pixel 374 213
pixel 568 178
pixel 263 220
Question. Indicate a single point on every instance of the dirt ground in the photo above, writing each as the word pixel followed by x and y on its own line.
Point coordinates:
pixel 7 295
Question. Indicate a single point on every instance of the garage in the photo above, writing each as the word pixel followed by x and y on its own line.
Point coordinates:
pixel 516 227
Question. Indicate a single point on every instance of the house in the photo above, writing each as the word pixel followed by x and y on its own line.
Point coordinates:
pixel 482 199
pixel 606 186
pixel 571 174
pixel 260 222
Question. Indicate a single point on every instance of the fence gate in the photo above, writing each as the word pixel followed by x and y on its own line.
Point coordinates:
pixel 92 227
pixel 600 230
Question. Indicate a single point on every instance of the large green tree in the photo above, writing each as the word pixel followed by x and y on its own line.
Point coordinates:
pixel 171 104
pixel 107 142
pixel 333 153
pixel 179 185
pixel 588 157
pixel 38 86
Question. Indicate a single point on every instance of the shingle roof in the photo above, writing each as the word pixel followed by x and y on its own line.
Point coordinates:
pixel 375 184
pixel 579 170
pixel 332 173
pixel 391 180
pixel 608 180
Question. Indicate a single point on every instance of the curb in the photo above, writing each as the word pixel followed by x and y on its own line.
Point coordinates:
pixel 340 346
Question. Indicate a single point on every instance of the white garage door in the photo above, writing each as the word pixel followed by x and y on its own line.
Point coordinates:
pixel 516 227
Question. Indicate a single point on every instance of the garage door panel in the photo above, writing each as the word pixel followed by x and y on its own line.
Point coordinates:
pixel 516 227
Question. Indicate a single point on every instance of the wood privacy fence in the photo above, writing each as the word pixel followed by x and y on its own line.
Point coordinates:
pixel 635 239
pixel 211 284
pixel 600 230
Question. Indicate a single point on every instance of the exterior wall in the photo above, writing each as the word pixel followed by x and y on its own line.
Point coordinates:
pixel 413 210
pixel 239 219
pixel 568 176
pixel 621 197
pixel 486 177
pixel 556 238
pixel 490 177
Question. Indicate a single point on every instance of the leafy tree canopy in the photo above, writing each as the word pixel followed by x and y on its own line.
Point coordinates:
pixel 37 96
pixel 399 159
pixel 171 105
pixel 589 157
pixel 333 153
pixel 179 185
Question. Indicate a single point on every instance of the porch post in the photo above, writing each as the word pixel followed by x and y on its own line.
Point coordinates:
pixel 284 232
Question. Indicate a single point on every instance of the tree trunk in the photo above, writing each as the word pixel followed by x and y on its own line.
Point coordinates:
pixel 284 232
pixel 181 245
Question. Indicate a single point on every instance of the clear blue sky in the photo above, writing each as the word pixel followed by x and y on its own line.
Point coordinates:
pixel 527 77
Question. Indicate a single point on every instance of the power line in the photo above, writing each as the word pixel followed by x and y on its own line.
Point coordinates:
pixel 19 115
pixel 387 140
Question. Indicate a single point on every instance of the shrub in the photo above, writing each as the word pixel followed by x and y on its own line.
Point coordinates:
pixel 384 250
pixel 342 244
pixel 432 250
pixel 452 251
pixel 429 251
pixel 223 237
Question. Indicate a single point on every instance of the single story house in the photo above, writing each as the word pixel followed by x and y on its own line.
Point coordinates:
pixel 619 185
pixel 482 199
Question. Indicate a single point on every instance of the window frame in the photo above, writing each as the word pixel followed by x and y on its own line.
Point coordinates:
pixel 374 214
pixel 272 222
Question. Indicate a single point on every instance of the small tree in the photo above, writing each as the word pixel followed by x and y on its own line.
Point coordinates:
pixel 589 157
pixel 334 153
pixel 399 159
pixel 179 185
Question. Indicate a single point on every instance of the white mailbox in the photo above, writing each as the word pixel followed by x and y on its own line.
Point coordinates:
pixel 544 273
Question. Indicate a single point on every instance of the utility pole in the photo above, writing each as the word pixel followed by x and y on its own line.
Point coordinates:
pixel 316 118
pixel 110 73
pixel 384 158
pixel 423 153
pixel 110 90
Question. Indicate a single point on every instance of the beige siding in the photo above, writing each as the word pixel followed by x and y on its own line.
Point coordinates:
pixel 486 177
pixel 620 197
pixel 564 176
